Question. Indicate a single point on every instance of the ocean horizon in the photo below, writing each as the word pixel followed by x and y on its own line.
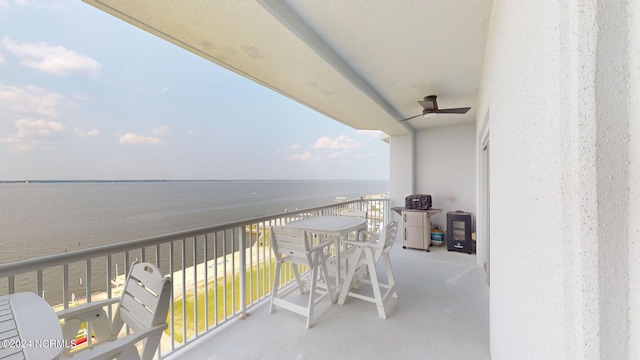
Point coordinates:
pixel 46 217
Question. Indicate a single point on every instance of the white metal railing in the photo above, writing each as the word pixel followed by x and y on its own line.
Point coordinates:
pixel 213 281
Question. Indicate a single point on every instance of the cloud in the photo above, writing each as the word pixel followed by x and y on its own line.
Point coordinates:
pixel 304 156
pixel 33 134
pixel 54 60
pixel 190 132
pixel 135 139
pixel 28 100
pixel 80 96
pixel 39 129
pixel 342 142
pixel 85 133
pixel 325 148
pixel 35 3
pixel 365 155
pixel 160 130
pixel 16 146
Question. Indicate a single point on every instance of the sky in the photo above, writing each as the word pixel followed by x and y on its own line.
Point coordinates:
pixel 85 96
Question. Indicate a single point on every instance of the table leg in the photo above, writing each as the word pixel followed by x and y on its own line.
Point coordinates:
pixel 338 264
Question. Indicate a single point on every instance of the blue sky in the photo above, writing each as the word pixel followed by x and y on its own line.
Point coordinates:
pixel 84 95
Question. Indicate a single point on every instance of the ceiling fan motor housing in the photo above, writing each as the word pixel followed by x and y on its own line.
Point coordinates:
pixel 429 104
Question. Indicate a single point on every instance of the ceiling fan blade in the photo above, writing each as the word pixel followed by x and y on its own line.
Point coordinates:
pixel 413 117
pixel 454 111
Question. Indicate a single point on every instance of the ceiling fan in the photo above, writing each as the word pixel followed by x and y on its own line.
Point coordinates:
pixel 430 106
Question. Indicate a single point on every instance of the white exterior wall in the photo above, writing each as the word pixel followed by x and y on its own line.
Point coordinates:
pixel 634 178
pixel 401 168
pixel 526 294
pixel 445 168
pixel 561 83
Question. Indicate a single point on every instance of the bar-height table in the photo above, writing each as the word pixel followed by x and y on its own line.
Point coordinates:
pixel 29 328
pixel 338 226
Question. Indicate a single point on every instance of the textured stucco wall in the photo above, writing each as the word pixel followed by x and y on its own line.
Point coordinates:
pixel 634 179
pixel 445 168
pixel 612 164
pixel 401 168
pixel 522 87
pixel 561 84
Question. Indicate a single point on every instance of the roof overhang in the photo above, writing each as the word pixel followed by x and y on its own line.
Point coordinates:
pixel 363 63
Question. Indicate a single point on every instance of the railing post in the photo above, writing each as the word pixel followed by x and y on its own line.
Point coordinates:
pixel 206 282
pixel 215 276
pixel 65 285
pixel 184 290
pixel 11 284
pixel 243 272
pixel 195 284
pixel 87 281
pixel 173 300
pixel 109 283
pixel 109 279
pixel 87 284
pixel 39 287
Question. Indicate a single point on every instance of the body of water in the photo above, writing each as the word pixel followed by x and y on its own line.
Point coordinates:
pixel 38 219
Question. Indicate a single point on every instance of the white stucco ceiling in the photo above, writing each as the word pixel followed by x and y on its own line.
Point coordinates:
pixel 364 63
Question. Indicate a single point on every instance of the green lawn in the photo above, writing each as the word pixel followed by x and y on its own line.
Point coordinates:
pixel 222 305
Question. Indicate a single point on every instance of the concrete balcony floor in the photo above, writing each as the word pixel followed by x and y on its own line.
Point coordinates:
pixel 442 313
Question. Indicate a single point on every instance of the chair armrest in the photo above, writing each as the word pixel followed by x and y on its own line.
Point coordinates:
pixel 362 244
pixel 369 234
pixel 93 312
pixel 88 307
pixel 321 245
pixel 111 349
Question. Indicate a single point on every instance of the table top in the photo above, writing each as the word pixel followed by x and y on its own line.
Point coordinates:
pixel 29 328
pixel 330 224
pixel 430 212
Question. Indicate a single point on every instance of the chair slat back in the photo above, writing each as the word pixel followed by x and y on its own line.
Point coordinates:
pixel 291 243
pixel 390 231
pixel 386 240
pixel 145 298
pixel 134 314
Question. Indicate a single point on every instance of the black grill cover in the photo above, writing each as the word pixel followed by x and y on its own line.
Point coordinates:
pixel 418 201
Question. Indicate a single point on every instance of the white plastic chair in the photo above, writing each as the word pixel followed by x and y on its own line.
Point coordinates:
pixel 356 214
pixel 143 307
pixel 364 259
pixel 293 246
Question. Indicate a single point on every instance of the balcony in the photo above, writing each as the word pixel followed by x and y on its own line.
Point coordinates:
pixel 219 311
pixel 441 313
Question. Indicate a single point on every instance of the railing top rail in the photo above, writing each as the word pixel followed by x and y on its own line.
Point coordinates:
pixel 28 265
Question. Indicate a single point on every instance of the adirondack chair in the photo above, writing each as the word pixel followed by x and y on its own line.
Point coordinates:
pixel 293 246
pixel 143 307
pixel 364 259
